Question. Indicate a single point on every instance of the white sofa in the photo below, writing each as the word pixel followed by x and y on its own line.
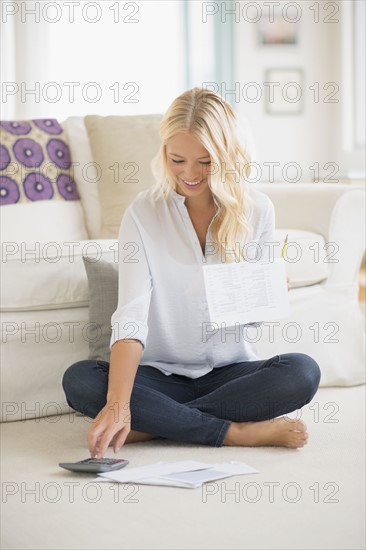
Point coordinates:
pixel 45 310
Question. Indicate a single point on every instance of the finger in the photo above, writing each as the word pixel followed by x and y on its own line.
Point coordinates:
pixel 120 440
pixel 104 443
pixel 93 438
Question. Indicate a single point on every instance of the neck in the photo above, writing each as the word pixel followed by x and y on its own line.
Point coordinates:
pixel 200 204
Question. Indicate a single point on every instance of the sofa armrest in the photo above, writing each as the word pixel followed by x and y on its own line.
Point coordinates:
pixel 335 211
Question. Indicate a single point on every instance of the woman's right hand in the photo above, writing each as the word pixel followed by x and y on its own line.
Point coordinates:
pixel 113 420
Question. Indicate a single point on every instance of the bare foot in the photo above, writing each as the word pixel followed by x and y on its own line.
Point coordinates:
pixel 134 437
pixel 279 432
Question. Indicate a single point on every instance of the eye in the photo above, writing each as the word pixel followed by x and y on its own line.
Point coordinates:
pixel 180 161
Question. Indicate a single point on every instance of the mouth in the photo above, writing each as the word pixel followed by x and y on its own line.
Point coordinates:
pixel 191 184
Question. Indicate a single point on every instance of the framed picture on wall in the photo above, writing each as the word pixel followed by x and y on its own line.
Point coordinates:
pixel 284 91
pixel 279 29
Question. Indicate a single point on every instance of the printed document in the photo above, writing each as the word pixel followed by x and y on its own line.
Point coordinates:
pixel 246 292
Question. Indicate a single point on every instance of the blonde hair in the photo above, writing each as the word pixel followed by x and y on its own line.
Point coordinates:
pixel 213 122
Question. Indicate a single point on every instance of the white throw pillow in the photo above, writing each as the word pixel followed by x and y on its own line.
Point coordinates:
pixel 85 173
pixel 305 256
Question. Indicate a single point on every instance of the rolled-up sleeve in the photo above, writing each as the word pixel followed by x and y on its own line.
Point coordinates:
pixel 129 321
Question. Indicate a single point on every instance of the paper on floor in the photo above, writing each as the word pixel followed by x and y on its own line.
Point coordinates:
pixel 188 474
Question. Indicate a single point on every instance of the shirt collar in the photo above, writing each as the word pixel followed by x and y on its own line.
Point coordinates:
pixel 177 197
pixel 181 199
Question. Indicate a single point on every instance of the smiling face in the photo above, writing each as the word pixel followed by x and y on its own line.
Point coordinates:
pixel 189 163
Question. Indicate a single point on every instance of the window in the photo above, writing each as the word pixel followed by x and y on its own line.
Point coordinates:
pixel 353 75
pixel 106 58
pixel 359 73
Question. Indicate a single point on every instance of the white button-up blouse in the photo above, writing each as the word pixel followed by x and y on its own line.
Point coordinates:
pixel 161 294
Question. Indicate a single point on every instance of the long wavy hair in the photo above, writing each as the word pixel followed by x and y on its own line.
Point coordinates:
pixel 213 122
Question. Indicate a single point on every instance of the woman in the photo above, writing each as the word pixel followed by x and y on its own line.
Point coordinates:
pixel 168 375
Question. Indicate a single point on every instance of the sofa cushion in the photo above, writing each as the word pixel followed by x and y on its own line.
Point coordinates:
pixel 123 148
pixel 103 299
pixel 37 188
pixel 306 256
pixel 50 277
pixel 37 347
pixel 29 225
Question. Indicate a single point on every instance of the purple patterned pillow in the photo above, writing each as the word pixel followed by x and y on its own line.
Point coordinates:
pixel 35 162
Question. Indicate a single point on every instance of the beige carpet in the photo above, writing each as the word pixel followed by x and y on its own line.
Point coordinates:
pixel 312 498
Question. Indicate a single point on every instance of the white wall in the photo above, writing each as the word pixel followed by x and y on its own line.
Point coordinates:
pixel 315 136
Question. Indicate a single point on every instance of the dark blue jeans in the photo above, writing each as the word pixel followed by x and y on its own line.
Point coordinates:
pixel 200 410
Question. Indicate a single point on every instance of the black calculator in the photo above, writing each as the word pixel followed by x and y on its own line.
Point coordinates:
pixel 95 465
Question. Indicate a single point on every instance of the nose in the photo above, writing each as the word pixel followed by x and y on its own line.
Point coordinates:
pixel 192 175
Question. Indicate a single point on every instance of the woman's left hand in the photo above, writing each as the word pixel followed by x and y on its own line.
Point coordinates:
pixel 288 283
